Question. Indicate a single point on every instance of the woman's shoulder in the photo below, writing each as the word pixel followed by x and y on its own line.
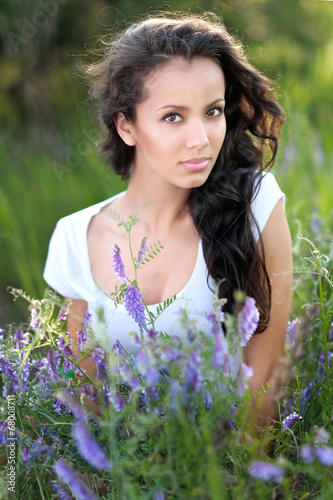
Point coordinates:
pixel 267 193
pixel 78 222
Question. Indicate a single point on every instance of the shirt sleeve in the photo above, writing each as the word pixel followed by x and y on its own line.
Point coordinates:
pixel 62 269
pixel 267 196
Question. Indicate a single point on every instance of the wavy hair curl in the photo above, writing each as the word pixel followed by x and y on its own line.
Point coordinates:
pixel 221 207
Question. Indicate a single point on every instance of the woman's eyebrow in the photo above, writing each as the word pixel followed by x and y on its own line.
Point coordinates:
pixel 177 106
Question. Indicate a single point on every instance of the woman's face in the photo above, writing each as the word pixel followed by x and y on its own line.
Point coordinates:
pixel 180 125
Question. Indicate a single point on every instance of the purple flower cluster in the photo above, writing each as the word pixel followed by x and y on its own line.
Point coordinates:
pixel 266 471
pixel 193 375
pixel 98 356
pixel 289 421
pixel 244 375
pixel 292 328
pixel 89 448
pixel 65 347
pixel 143 249
pixel 117 263
pixel 62 493
pixel 320 376
pixel 3 433
pixel 67 475
pixel 248 320
pixel 134 306
pixel 323 454
pixel 221 352
pixel 83 334
pixel 35 315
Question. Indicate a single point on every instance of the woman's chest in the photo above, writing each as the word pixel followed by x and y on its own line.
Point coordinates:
pixel 167 266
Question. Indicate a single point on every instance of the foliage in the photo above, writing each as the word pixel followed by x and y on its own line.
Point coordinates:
pixel 173 420
pixel 48 133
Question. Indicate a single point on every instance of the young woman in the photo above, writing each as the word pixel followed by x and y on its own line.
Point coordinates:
pixel 188 120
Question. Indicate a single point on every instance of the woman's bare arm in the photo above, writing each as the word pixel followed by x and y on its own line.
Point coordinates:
pixel 265 350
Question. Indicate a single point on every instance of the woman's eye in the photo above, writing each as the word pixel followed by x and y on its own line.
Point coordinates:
pixel 215 112
pixel 172 118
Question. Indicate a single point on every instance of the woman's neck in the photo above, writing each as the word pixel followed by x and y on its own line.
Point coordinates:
pixel 165 205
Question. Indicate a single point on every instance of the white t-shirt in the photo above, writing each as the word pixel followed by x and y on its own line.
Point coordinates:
pixel 68 272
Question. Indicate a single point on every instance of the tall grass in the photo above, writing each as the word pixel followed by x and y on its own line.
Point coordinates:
pixel 37 188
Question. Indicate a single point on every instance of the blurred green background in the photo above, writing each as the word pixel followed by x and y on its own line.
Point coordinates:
pixel 49 165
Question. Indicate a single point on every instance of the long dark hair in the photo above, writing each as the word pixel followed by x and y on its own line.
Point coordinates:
pixel 221 208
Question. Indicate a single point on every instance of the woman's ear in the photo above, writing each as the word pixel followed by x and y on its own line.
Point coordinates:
pixel 124 129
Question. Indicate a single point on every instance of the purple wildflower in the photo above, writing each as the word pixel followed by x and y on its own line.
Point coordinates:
pixel 118 348
pixel 75 408
pixel 143 249
pixel 65 347
pixel 61 492
pixel 127 374
pixel 35 312
pixel 26 454
pixel 207 398
pixel 19 338
pixel 291 331
pixel 89 448
pixel 65 472
pixel 62 316
pixel 193 375
pixel 325 455
pixel 244 375
pixel 101 367
pixel 215 318
pixel 117 401
pixel 221 352
pixel 146 399
pixel 321 365
pixel 153 334
pixel 89 391
pixel 154 393
pixel 53 360
pixel 307 453
pixel 322 435
pixel 26 371
pixel 2 332
pixel 315 224
pixel 305 395
pixel 159 495
pixel 83 334
pixel 142 361
pixel 266 472
pixel 134 306
pixel 290 420
pixel 5 366
pixel 3 433
pixel 118 265
pixel 168 353
pixel 153 375
pixel 175 393
pixel 248 320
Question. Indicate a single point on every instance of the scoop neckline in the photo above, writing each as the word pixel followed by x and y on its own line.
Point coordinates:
pixel 180 294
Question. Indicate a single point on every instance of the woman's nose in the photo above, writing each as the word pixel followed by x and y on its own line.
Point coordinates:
pixel 196 135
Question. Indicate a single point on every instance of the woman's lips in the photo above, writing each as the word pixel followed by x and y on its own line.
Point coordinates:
pixel 196 163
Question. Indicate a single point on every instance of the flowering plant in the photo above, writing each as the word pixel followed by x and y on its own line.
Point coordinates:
pixel 171 417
